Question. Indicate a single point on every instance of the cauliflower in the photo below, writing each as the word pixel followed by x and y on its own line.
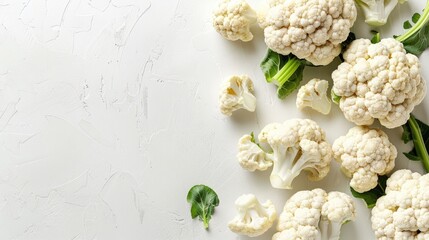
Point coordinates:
pixel 364 154
pixel 237 92
pixel 233 18
pixel 315 215
pixel 377 11
pixel 250 156
pixel 378 81
pixel 253 218
pixel 403 213
pixel 309 29
pixel 313 94
pixel 294 146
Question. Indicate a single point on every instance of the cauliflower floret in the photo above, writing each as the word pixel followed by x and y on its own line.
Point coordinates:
pixel 315 215
pixel 377 11
pixel 233 18
pixel 403 213
pixel 253 218
pixel 378 81
pixel 296 145
pixel 250 156
pixel 364 154
pixel 309 29
pixel 313 95
pixel 237 92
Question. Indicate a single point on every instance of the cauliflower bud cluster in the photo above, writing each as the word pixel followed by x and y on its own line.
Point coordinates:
pixel 309 29
pixel 291 147
pixel 403 213
pixel 378 81
pixel 315 215
pixel 364 154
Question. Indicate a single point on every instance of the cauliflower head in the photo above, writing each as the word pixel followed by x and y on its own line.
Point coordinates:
pixel 293 146
pixel 253 218
pixel 378 81
pixel 403 213
pixel 315 215
pixel 233 18
pixel 364 154
pixel 313 95
pixel 237 93
pixel 309 29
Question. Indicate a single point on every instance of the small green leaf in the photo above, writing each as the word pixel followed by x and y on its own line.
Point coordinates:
pixel 335 98
pixel 203 201
pixel 271 64
pixel 415 18
pixel 418 132
pixel 412 157
pixel 407 25
pixel 372 195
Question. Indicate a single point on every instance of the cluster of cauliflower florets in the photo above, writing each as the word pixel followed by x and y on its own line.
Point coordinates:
pixel 375 81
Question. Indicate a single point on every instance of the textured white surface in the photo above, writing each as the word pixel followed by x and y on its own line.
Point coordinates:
pixel 108 115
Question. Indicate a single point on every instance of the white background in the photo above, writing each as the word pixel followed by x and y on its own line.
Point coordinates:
pixel 108 115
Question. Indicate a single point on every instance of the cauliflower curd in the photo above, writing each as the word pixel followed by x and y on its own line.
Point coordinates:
pixel 315 215
pixel 253 218
pixel 237 93
pixel 309 29
pixel 364 154
pixel 378 81
pixel 403 213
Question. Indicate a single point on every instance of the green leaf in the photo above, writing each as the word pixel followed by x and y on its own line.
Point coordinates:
pixel 335 98
pixel 376 37
pixel 416 39
pixel 407 25
pixel 418 132
pixel 415 18
pixel 203 201
pixel 284 71
pixel 372 195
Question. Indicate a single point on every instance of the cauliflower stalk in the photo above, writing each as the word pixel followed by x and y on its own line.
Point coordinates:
pixel 377 11
pixel 315 215
pixel 232 19
pixel 293 146
pixel 313 95
pixel 364 154
pixel 253 218
pixel 403 213
pixel 378 81
pixel 237 93
pixel 251 156
pixel 309 29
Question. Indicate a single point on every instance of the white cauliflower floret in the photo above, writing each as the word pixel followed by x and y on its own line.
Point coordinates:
pixel 253 218
pixel 233 18
pixel 315 215
pixel 313 95
pixel 377 11
pixel 364 154
pixel 309 29
pixel 296 145
pixel 250 156
pixel 378 81
pixel 237 92
pixel 403 213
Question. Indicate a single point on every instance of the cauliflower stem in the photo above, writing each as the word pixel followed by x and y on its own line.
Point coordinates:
pixel 418 132
pixel 377 11
pixel 285 72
